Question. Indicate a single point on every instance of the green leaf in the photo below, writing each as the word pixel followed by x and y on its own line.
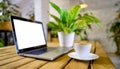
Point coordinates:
pixel 63 16
pixel 81 23
pixel 61 26
pixel 52 25
pixel 56 7
pixel 91 19
pixel 1 43
pixel 73 13
pixel 2 5
pixel 55 17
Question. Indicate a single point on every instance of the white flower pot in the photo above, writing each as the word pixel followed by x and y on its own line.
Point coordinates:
pixel 66 40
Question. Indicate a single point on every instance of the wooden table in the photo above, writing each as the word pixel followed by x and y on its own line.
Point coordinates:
pixel 10 60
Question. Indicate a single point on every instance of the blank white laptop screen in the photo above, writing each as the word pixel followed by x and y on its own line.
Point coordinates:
pixel 28 34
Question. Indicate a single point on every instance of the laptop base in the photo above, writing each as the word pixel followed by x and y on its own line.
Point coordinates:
pixel 51 54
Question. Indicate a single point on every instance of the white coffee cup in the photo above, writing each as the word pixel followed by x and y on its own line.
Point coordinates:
pixel 82 50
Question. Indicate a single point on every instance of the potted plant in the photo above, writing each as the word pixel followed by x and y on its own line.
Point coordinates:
pixel 69 21
pixel 114 27
pixel 54 36
pixel 7 9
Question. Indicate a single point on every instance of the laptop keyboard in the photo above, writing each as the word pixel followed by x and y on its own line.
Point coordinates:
pixel 40 51
pixel 36 52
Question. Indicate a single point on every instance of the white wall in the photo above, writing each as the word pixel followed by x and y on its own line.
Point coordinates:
pixel 41 12
pixel 26 7
pixel 106 12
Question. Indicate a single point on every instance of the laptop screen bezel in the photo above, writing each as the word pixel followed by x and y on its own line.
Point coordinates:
pixel 15 37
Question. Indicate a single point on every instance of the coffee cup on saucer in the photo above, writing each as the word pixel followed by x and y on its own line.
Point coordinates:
pixel 82 50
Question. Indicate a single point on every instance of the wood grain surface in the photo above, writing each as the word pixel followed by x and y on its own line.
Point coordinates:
pixel 10 60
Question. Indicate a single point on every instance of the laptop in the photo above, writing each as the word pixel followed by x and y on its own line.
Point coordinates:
pixel 30 41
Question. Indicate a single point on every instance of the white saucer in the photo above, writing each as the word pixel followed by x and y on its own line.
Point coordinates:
pixel 90 57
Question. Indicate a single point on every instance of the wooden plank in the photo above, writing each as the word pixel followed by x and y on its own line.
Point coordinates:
pixel 7 49
pixel 10 51
pixel 14 65
pixel 58 63
pixel 76 64
pixel 3 62
pixel 8 56
pixel 33 65
pixel 103 62
pixel 93 46
pixel 5 54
